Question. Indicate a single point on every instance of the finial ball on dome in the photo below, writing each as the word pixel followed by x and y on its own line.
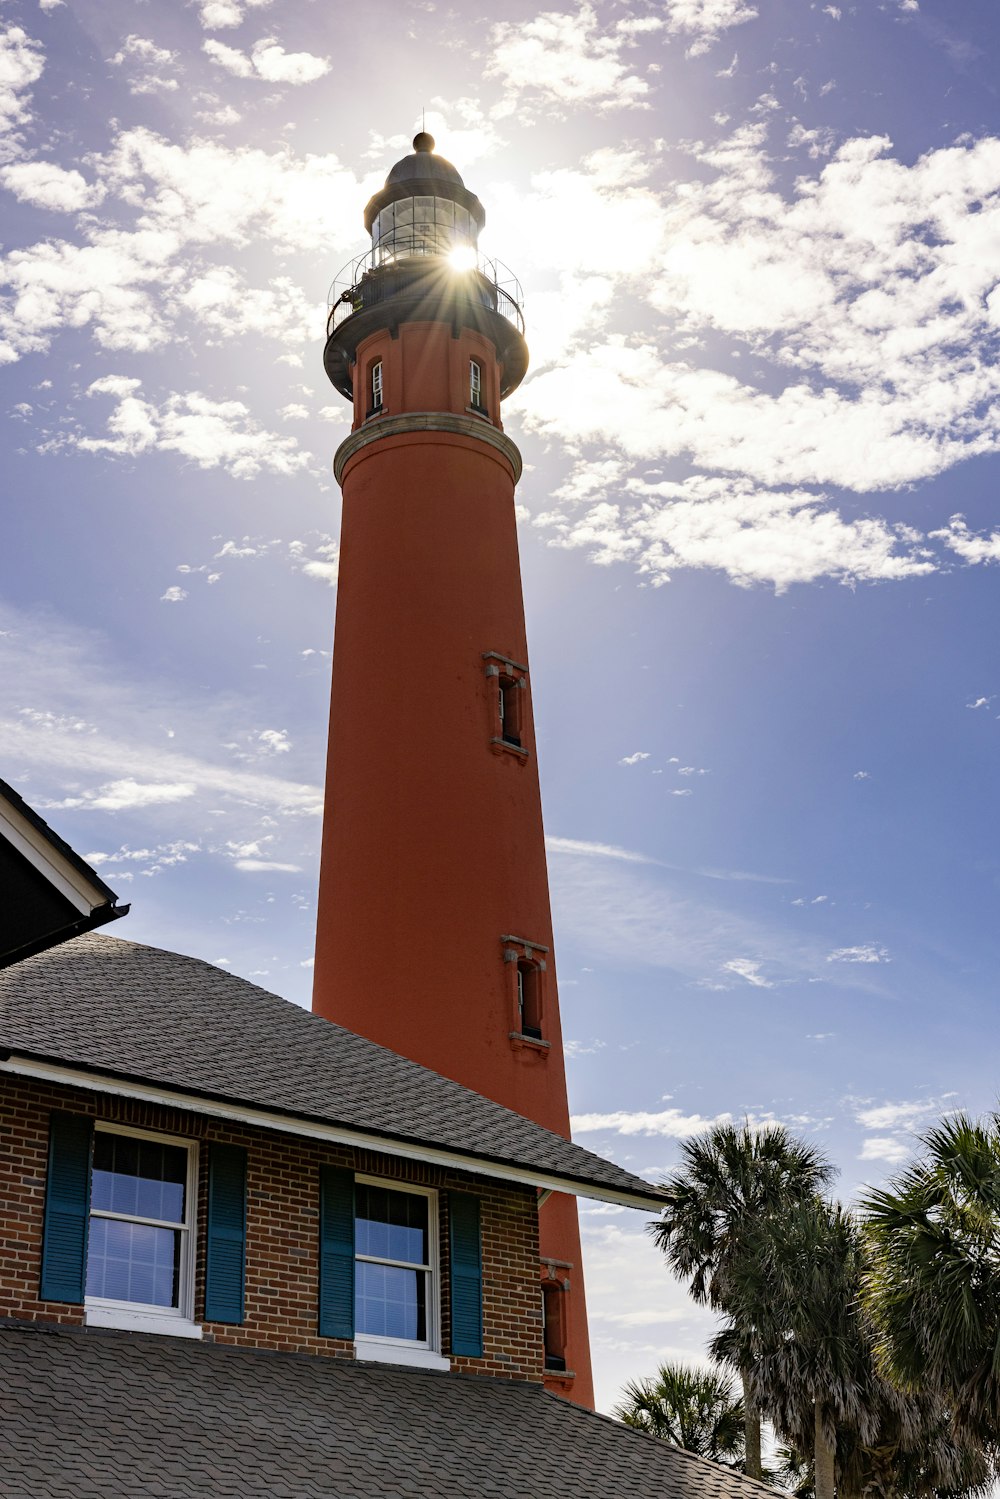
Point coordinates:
pixel 423 141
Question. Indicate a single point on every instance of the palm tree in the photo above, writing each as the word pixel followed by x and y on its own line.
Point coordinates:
pixel 932 1288
pixel 790 1295
pixel 797 1285
pixel 730 1180
pixel 691 1408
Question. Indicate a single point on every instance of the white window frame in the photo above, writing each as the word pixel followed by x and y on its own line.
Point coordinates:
pixel 475 384
pixel 137 1316
pixel 377 389
pixel 425 1354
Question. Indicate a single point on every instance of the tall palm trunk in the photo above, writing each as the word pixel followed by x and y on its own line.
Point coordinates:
pixel 751 1428
pixel 826 1452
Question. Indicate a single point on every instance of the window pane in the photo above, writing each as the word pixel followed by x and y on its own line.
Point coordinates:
pixel 391 1225
pixel 390 1302
pixel 444 212
pixel 133 1262
pixel 139 1177
pixel 404 213
pixel 423 210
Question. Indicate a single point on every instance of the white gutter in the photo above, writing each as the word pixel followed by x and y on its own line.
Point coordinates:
pixel 332 1134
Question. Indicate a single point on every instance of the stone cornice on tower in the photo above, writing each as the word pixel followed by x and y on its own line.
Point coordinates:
pixel 426 421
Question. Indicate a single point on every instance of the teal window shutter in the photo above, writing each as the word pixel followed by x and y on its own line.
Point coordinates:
pixel 67 1209
pixel 466 1275
pixel 226 1237
pixel 336 1252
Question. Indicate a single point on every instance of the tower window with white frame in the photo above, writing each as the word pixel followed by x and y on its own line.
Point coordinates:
pixel 476 384
pixel 376 386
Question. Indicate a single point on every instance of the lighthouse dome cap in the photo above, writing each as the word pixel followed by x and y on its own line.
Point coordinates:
pixel 423 164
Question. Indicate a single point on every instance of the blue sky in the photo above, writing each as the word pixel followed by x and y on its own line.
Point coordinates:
pixel 758 243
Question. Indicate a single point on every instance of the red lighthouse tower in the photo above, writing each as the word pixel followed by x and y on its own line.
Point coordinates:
pixel 434 934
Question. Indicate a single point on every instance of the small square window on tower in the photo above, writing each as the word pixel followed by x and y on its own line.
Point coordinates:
pixel 507 684
pixel 525 963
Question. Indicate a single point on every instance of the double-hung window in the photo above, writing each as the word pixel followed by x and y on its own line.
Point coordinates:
pixel 140 1245
pixel 475 384
pixel 380 1269
pixel 395 1247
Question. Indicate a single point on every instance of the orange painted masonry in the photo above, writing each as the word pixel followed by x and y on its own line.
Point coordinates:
pixel 282 1275
pixel 434 933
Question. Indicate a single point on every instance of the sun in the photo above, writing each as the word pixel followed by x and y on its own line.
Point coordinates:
pixel 462 258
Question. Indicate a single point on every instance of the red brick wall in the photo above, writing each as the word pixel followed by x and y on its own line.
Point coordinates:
pixel 282 1229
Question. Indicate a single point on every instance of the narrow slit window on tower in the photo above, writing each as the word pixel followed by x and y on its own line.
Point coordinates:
pixel 526 966
pixel 554 1327
pixel 510 711
pixel 476 384
pixel 376 388
pixel 529 999
pixel 507 683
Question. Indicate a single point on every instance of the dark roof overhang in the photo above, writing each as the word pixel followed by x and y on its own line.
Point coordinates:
pixel 49 893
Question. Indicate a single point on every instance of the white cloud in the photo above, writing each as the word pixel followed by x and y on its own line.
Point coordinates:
pixel 705 20
pixel 902 1114
pixel 125 795
pixel 173 595
pixel 274 741
pixel 862 775
pixel 156 859
pixel 980 702
pixel 50 186
pixel 21 65
pixel 866 953
pixel 884 1148
pixel 132 286
pixel 594 850
pixel 215 15
pixel 88 712
pixel 749 969
pixel 266 866
pixel 971 546
pixel 224 115
pixel 145 51
pixel 269 61
pixel 634 759
pixel 213 434
pixel 777 537
pixel 865 298
pixel 671 1123
pixel 146 57
pixel 565 59
pixel 221 300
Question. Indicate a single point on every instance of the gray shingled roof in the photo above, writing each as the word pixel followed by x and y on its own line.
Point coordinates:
pixel 104 1415
pixel 117 1007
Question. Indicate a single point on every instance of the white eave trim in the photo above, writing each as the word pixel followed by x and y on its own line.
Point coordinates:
pixel 333 1134
pixel 40 854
